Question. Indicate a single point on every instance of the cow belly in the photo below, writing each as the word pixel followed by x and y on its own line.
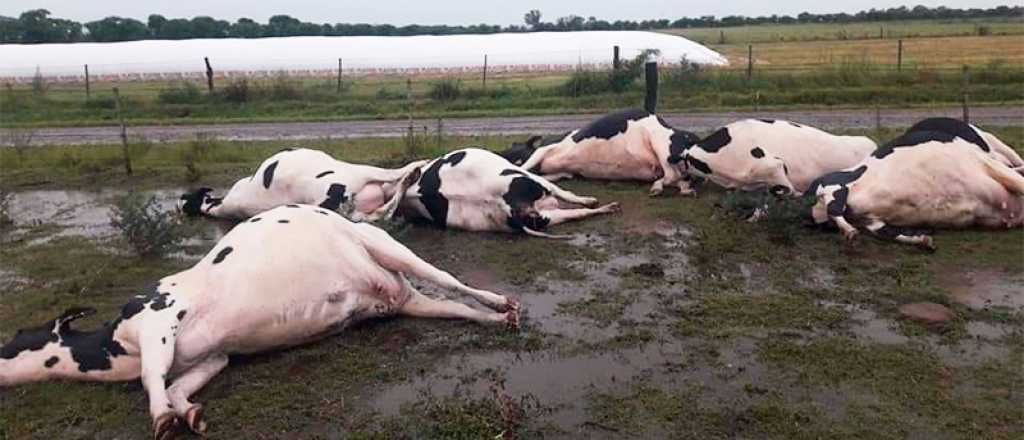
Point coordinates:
pixel 611 163
pixel 942 210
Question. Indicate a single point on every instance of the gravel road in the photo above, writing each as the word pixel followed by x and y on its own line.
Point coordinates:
pixel 826 119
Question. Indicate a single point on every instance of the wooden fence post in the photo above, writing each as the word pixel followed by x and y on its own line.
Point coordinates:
pixel 616 63
pixel 339 75
pixel 966 82
pixel 209 74
pixel 87 82
pixel 124 133
pixel 485 73
pixel 750 61
pixel 899 55
pixel 410 145
pixel 651 80
pixel 440 133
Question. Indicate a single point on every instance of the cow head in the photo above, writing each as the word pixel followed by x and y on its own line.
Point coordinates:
pixel 519 152
pixel 35 353
pixel 192 203
pixel 681 141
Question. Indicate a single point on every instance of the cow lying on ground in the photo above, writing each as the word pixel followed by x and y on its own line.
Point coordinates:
pixel 286 277
pixel 782 156
pixel 478 190
pixel 921 179
pixel 628 145
pixel 304 176
pixel 970 133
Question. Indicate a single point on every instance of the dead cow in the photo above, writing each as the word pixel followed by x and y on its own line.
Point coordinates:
pixel 304 176
pixel 628 145
pixel 288 276
pixel 921 179
pixel 478 190
pixel 782 156
pixel 971 133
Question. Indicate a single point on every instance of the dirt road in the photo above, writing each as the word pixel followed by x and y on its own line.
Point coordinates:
pixel 827 119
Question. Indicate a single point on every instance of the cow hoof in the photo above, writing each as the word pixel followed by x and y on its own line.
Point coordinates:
pixel 512 319
pixel 195 420
pixel 928 244
pixel 165 427
pixel 850 236
pixel 612 208
pixel 654 192
pixel 511 304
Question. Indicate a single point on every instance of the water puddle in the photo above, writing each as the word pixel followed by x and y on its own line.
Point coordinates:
pixel 984 289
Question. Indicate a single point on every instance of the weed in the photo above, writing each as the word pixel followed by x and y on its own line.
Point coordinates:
pixel 446 89
pixel 181 92
pixel 149 230
pixel 5 210
pixel 39 85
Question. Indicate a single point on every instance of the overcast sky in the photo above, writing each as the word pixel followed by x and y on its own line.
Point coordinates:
pixel 401 12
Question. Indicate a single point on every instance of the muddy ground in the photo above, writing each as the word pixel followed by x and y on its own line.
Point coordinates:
pixel 671 319
pixel 825 119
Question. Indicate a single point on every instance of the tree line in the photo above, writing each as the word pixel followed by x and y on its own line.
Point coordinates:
pixel 37 26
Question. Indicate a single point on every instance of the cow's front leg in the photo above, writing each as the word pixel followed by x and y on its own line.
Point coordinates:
pixel 882 230
pixel 557 176
pixel 565 195
pixel 557 216
pixel 835 206
pixel 156 343
pixel 188 384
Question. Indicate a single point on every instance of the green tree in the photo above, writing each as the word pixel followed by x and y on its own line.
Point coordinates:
pixel 246 28
pixel 532 19
pixel 117 29
pixel 155 22
pixel 10 30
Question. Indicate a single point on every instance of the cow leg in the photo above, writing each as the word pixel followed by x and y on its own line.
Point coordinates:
pixel 882 230
pixel 388 209
pixel 557 216
pixel 566 195
pixel 836 208
pixel 670 174
pixel 557 176
pixel 420 305
pixel 537 157
pixel 156 342
pixel 394 256
pixel 188 384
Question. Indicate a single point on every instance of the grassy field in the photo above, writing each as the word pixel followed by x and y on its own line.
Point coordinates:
pixel 907 29
pixel 805 73
pixel 672 319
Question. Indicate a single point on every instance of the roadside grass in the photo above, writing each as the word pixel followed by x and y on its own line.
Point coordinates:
pixel 808 370
pixel 790 74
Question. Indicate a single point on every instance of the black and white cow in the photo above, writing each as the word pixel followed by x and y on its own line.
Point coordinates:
pixel 631 144
pixel 304 176
pixel 478 190
pixel 921 179
pixel 782 156
pixel 971 133
pixel 288 276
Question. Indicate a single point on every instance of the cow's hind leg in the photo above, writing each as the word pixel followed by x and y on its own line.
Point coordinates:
pixel 566 195
pixel 420 305
pixel 188 384
pixel 557 216
pixel 387 210
pixel 395 256
pixel 882 230
pixel 836 208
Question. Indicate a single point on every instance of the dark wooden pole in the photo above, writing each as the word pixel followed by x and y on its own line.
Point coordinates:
pixel 651 79
pixel 410 144
pixel 967 81
pixel 899 55
pixel 616 63
pixel 750 62
pixel 209 74
pixel 485 72
pixel 87 82
pixel 124 133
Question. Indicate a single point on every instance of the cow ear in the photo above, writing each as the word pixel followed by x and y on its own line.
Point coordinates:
pixel 72 314
pixel 532 141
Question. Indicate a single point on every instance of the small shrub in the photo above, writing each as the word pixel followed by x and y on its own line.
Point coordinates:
pixel 196 151
pixel 149 230
pixel 5 209
pixel 386 93
pixel 237 91
pixel 284 87
pixel 984 30
pixel 138 146
pixel 447 89
pixel 181 92
pixel 39 85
